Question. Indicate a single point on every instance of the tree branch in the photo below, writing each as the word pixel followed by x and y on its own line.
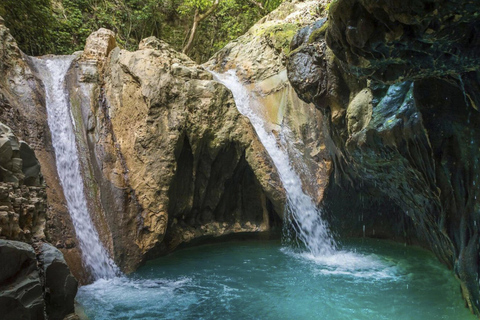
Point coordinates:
pixel 197 18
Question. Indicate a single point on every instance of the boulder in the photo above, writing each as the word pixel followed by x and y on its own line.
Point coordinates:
pixel 21 294
pixel 60 285
pixel 98 46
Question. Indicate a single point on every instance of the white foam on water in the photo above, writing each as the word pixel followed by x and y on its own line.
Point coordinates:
pixel 352 264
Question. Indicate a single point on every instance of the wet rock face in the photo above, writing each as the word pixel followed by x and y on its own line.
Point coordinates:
pixel 407 153
pixel 405 40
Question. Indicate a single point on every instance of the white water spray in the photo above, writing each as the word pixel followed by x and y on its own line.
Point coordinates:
pixel 306 218
pixel 95 257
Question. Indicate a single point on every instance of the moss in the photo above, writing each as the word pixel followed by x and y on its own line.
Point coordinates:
pixel 280 35
pixel 319 33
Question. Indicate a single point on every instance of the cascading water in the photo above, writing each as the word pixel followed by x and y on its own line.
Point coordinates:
pixel 95 257
pixel 305 217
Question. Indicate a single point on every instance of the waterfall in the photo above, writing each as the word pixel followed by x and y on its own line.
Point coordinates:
pixel 302 213
pixel 95 257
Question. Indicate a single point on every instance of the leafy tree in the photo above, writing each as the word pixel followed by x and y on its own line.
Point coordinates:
pixel 197 27
pixel 30 21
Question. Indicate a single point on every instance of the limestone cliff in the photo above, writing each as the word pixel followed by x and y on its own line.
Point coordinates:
pixel 402 121
pixel 165 155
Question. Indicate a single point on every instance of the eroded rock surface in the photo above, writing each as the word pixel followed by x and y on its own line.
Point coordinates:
pixel 166 157
pixel 194 163
pixel 406 154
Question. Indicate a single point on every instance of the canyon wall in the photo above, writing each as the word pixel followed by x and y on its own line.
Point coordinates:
pixel 398 86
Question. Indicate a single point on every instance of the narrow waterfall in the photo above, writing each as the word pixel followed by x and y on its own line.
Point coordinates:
pixel 304 216
pixel 95 257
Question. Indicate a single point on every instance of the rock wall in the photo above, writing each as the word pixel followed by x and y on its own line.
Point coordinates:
pixel 403 123
pixel 35 281
pixel 259 61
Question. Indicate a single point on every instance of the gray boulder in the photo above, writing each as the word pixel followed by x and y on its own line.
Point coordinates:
pixel 21 295
pixel 60 285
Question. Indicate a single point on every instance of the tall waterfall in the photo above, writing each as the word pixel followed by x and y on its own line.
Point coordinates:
pixel 304 216
pixel 95 257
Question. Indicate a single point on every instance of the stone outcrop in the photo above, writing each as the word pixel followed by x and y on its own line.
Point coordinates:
pixel 195 164
pixel 258 59
pixel 167 158
pixel 406 151
pixel 28 291
pixel 21 294
pixel 140 119
pixel 98 46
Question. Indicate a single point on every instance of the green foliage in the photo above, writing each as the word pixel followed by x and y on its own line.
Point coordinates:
pixel 30 21
pixel 62 26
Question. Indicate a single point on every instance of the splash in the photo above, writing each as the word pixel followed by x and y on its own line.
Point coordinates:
pixel 305 218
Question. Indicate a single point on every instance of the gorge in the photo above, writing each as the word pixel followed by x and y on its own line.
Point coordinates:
pixel 328 123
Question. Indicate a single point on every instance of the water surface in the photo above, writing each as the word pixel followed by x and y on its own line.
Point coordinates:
pixel 368 279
